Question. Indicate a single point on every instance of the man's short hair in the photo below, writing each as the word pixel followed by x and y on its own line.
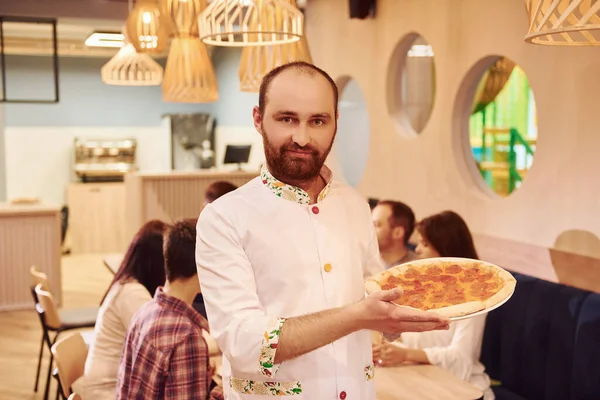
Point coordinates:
pixel 402 215
pixel 299 66
pixel 218 189
pixel 179 250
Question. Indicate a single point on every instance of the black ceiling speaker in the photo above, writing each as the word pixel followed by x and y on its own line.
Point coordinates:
pixel 362 9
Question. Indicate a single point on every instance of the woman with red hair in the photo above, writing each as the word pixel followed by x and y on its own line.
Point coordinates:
pixel 140 274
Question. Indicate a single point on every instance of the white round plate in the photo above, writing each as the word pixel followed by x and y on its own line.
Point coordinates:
pixel 487 310
pixel 458 260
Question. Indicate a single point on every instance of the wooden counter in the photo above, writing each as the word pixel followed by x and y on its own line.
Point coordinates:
pixel 96 217
pixel 29 235
pixel 170 196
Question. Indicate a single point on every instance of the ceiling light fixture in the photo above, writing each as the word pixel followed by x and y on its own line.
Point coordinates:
pixel 257 61
pixel 129 68
pixel 563 22
pixel 147 29
pixel 240 23
pixel 189 73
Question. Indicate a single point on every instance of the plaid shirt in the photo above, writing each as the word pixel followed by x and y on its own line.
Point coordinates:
pixel 165 355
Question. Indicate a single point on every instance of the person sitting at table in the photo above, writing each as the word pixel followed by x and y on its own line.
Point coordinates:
pixel 141 272
pixel 458 349
pixel 394 224
pixel 165 354
pixel 216 190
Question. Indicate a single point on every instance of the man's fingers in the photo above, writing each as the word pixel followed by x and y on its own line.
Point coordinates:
pixel 413 315
pixel 423 326
pixel 390 295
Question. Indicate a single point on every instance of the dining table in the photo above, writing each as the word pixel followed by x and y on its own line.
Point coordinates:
pixel 422 382
pixel 113 261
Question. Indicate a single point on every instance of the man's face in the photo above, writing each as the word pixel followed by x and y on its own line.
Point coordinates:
pixel 298 125
pixel 387 235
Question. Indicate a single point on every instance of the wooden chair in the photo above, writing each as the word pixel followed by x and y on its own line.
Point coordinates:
pixel 76 318
pixel 70 353
pixel 51 321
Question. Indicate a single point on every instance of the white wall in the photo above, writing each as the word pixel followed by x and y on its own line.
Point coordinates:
pixel 39 137
pixel 39 159
pixel 239 135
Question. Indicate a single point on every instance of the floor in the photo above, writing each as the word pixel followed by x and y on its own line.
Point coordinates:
pixel 84 279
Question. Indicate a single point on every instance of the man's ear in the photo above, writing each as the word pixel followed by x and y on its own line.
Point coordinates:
pixel 257 118
pixel 398 233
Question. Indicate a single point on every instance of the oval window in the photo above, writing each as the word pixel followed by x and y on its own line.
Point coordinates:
pixel 352 139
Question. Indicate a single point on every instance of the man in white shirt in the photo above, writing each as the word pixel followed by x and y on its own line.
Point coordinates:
pixel 282 260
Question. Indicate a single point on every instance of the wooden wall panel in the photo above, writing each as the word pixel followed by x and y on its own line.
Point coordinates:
pixel 29 235
pixel 434 172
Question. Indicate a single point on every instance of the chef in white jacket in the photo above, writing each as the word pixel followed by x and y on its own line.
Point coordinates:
pixel 282 259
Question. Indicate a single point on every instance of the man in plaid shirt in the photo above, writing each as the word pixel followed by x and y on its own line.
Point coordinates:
pixel 165 355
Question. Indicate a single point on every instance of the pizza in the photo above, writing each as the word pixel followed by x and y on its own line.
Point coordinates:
pixel 452 287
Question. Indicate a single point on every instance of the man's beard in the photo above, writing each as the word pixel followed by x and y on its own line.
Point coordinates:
pixel 288 168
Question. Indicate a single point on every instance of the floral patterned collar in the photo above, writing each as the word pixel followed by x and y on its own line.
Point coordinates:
pixel 294 193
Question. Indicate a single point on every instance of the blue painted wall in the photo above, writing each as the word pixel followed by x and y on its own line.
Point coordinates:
pixel 86 101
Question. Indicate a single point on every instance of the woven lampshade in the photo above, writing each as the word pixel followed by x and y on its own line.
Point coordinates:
pixel 257 61
pixel 147 29
pixel 183 15
pixel 189 74
pixel 239 23
pixel 129 68
pixel 563 22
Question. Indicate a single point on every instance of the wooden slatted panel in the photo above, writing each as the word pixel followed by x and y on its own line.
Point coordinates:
pixel 26 239
pixel 170 197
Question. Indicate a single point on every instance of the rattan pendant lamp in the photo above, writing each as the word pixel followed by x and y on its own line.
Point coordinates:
pixel 147 29
pixel 189 73
pixel 563 22
pixel 257 61
pixel 129 68
pixel 240 23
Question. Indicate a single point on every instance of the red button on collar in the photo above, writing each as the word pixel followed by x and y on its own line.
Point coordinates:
pixel 315 210
pixel 342 395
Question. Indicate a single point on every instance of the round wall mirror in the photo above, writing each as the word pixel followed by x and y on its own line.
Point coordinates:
pixel 411 89
pixel 502 124
pixel 352 140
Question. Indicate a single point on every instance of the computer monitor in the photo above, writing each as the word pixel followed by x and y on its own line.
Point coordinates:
pixel 237 154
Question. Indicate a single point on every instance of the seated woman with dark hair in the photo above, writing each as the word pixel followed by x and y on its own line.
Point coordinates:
pixel 134 284
pixel 459 348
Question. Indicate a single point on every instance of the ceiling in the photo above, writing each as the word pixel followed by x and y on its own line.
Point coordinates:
pixel 77 20
pixel 80 9
pixel 36 38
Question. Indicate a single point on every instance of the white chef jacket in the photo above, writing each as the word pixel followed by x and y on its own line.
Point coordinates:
pixel 457 350
pixel 263 254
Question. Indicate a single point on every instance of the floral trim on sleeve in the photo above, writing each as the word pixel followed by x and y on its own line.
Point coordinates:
pixel 369 372
pixel 266 359
pixel 247 386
